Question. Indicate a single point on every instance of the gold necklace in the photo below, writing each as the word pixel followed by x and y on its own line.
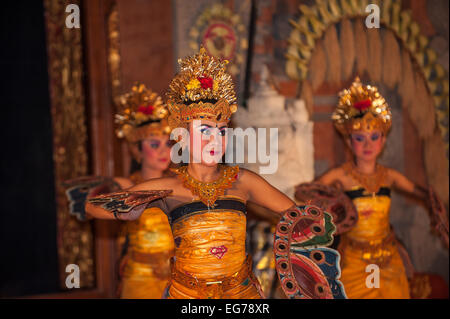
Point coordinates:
pixel 208 192
pixel 370 182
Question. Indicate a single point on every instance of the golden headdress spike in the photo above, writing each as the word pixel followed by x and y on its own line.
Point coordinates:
pixel 201 90
pixel 361 107
pixel 141 112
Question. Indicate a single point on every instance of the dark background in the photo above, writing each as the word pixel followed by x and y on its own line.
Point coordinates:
pixel 28 210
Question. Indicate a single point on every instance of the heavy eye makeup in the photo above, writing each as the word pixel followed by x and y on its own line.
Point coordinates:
pixel 154 143
pixel 375 136
pixel 358 137
pixel 223 131
pixel 170 143
pixel 206 130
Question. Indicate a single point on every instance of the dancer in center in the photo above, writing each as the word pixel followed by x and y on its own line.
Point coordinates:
pixel 207 203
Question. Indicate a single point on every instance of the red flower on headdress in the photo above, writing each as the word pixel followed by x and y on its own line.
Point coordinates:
pixel 362 105
pixel 206 82
pixel 147 110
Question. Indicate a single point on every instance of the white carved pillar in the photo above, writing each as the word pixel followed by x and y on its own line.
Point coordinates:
pixel 267 109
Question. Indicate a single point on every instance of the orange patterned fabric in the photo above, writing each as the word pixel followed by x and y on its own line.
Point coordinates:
pixel 240 285
pixel 210 249
pixel 373 218
pixel 151 245
pixel 371 242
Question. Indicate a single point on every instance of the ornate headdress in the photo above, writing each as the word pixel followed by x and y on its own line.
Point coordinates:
pixel 361 108
pixel 201 90
pixel 141 112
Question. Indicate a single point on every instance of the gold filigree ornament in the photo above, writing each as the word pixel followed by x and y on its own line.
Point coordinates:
pixel 141 113
pixel 201 90
pixel 370 182
pixel 361 108
pixel 208 192
pixel 223 34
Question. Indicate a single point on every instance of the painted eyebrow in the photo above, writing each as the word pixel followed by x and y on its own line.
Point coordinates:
pixel 208 126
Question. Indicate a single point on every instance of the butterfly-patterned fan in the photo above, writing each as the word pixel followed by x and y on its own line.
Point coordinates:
pixel 125 201
pixel 306 268
pixel 333 200
pixel 439 218
pixel 79 189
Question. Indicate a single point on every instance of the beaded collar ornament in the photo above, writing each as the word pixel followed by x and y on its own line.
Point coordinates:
pixel 201 90
pixel 141 112
pixel 361 108
pixel 208 192
pixel 370 182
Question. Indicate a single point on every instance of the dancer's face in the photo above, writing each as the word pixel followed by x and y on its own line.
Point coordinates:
pixel 155 152
pixel 211 137
pixel 367 146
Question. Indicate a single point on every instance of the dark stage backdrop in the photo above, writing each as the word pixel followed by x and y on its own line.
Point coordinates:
pixel 28 251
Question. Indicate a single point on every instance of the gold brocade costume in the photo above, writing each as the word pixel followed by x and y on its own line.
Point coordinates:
pixel 210 256
pixel 150 247
pixel 141 114
pixel 372 241
pixel 209 234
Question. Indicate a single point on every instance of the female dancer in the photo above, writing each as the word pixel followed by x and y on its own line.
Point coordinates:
pixel 206 204
pixel 363 118
pixel 148 241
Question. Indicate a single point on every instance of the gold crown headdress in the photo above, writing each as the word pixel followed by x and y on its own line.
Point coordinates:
pixel 201 90
pixel 141 112
pixel 361 108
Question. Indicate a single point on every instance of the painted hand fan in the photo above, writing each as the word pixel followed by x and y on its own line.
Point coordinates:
pixel 306 268
pixel 79 189
pixel 439 218
pixel 125 201
pixel 333 200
